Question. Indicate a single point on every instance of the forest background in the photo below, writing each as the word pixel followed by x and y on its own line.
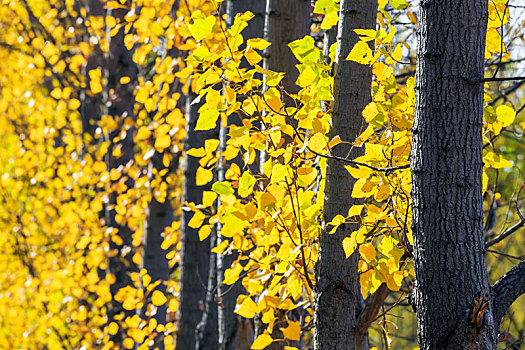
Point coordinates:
pixel 163 172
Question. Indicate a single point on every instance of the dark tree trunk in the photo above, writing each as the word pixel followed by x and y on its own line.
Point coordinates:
pixel 195 255
pixel 119 102
pixel 230 324
pixel 159 216
pixel 337 296
pixel 446 163
pixel 285 21
pixel 154 260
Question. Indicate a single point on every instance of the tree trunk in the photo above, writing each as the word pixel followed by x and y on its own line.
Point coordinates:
pixel 452 288
pixel 195 255
pixel 154 260
pixel 284 22
pixel 159 216
pixel 337 296
pixel 229 323
pixel 119 105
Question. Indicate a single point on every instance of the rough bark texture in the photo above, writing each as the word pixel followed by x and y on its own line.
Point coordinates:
pixel 337 296
pixel 119 102
pixel 446 165
pixel 286 21
pixel 506 290
pixel 195 255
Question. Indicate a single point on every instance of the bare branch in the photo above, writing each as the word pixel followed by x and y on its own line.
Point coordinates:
pixel 369 313
pixel 507 289
pixel 505 234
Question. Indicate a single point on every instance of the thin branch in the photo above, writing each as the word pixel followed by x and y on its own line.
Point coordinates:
pixel 505 234
pixel 331 156
pixel 505 255
pixel 485 80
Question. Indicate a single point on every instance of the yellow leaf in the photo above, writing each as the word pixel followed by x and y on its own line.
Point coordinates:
pixel 158 298
pixel 128 343
pixel 246 184
pixel 163 141
pixel 367 251
pixel 505 115
pixel 317 143
pixel 306 175
pixel 329 20
pixel 221 247
pixel 257 43
pixel 201 53
pixel 336 221
pixel 363 188
pixel 113 328
pixel 203 176
pixel 366 34
pixel 355 210
pixel 245 307
pixel 197 219
pixel 293 331
pixel 350 243
pixel 496 161
pixel 262 341
pixel 211 145
pixel 99 166
pixel 204 232
pixel 202 27
pixel 74 104
pixel 208 198
pixel 307 77
pixel 279 172
pixel 207 120
pixel 335 141
pixel 360 53
pixel 143 133
pixel 358 172
pixel 396 55
pixel 370 112
pixel 252 56
pixel 233 225
pixel 231 275
pixel 196 152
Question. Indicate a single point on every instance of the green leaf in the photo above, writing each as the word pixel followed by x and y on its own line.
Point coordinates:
pixel 222 188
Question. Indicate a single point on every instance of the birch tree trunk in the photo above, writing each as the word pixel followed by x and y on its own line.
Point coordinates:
pixel 452 290
pixel 337 295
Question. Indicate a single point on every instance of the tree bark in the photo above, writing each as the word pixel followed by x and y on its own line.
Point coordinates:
pixel 119 105
pixel 228 322
pixel 285 21
pixel 195 255
pixel 337 295
pixel 452 293
pixel 159 216
pixel 154 260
